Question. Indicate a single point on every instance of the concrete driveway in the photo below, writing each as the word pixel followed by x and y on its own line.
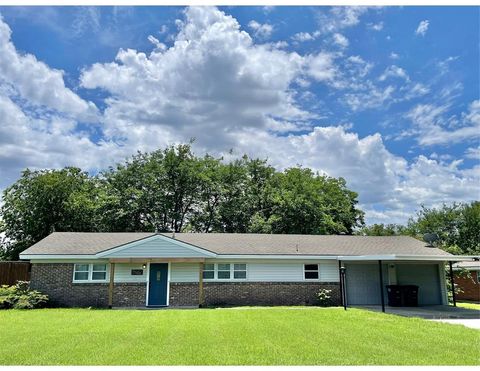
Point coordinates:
pixel 439 312
pixel 472 323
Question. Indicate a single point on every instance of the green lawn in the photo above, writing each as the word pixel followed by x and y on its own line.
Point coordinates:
pixel 469 305
pixel 244 336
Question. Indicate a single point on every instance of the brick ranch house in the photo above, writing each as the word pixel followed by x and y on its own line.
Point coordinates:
pixel 469 286
pixel 197 269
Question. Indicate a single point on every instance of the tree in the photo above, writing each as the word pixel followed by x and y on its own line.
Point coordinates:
pixel 382 230
pixel 307 203
pixel 155 191
pixel 44 201
pixel 457 226
pixel 172 189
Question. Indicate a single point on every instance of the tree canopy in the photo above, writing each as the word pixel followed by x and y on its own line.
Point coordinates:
pixel 172 189
pixel 457 227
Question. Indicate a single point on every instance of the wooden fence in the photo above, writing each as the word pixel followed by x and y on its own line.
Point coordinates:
pixel 11 272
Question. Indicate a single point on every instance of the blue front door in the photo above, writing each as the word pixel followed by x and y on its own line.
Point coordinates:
pixel 157 287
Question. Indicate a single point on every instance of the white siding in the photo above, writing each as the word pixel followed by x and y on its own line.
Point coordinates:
pixel 123 273
pixel 184 272
pixel 260 271
pixel 271 272
pixel 157 248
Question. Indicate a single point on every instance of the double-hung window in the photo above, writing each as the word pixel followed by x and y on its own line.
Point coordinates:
pixel 209 272
pixel 90 273
pixel 311 271
pixel 239 271
pixel 81 272
pixel 225 271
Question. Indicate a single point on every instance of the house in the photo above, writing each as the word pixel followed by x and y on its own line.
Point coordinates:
pixel 469 286
pixel 192 269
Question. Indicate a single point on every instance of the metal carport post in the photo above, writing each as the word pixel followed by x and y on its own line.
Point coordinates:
pixel 381 284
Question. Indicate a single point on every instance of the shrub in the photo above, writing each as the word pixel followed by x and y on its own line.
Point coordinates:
pixel 323 297
pixel 19 296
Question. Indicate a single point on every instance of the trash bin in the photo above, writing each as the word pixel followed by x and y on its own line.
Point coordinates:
pixel 394 293
pixel 410 295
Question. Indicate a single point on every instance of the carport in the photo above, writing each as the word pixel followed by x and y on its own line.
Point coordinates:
pixel 364 279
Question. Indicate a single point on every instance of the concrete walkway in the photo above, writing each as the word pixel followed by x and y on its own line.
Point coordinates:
pixel 472 323
pixel 428 312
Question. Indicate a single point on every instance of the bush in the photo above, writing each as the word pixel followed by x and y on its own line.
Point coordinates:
pixel 323 297
pixel 20 296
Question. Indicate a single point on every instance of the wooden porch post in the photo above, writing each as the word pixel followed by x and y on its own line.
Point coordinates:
pixel 201 296
pixel 110 285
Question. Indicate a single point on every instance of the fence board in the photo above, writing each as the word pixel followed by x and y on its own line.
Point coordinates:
pixel 13 271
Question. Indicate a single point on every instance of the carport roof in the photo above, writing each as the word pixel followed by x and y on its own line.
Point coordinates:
pixel 78 243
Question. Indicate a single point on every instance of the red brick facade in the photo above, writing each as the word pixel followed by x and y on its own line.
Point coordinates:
pixel 470 287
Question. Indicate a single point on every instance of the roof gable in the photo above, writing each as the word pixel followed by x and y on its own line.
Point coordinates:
pixel 156 246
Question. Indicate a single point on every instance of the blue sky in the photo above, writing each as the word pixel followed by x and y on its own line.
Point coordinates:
pixel 386 97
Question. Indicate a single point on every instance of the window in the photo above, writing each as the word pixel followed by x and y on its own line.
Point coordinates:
pixel 311 271
pixel 240 271
pixel 223 272
pixel 81 272
pixel 99 272
pixel 209 271
pixel 89 272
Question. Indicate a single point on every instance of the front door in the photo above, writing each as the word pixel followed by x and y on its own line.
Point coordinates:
pixel 157 286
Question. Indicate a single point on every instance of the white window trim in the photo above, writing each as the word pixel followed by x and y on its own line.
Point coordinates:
pixel 318 271
pixel 232 270
pixel 90 273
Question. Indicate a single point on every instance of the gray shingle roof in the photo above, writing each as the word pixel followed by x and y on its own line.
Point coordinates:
pixel 75 243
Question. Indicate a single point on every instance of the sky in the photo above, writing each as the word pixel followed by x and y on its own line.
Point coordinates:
pixel 385 97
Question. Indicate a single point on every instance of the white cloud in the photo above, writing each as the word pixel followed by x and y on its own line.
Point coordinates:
pixel 422 28
pixel 473 153
pixel 213 78
pixel 303 36
pixel 340 40
pixel 375 26
pixel 321 66
pixel 394 71
pixel 38 83
pixel 262 31
pixel 372 97
pixel 394 55
pixel 51 141
pixel 417 90
pixel 156 42
pixel 338 18
pixel 431 126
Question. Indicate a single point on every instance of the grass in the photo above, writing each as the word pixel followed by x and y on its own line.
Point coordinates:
pixel 469 305
pixel 243 336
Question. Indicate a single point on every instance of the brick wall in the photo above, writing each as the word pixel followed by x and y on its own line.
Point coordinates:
pixel 469 286
pixel 55 280
pixel 267 293
pixel 251 293
pixel 183 294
